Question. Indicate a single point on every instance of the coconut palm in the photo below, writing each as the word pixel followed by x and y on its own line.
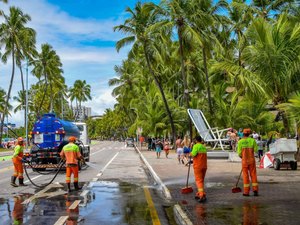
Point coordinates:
pixel 11 37
pixel 48 69
pixel 136 26
pixel 80 92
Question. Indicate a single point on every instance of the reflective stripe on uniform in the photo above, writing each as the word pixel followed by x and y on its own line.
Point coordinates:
pixel 254 184
pixel 246 185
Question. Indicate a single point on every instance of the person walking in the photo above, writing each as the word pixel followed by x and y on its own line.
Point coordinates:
pixel 247 146
pixel 158 147
pixel 17 161
pixel 199 154
pixel 179 149
pixel 71 154
pixel 166 147
pixel 261 146
pixel 186 143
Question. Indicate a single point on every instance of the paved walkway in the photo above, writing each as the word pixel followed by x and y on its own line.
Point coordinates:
pixel 278 202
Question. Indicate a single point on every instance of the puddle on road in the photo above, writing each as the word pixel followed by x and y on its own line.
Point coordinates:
pixel 105 203
pixel 117 203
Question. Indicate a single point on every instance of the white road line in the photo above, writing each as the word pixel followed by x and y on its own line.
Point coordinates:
pixel 27 181
pixel 104 168
pixel 75 204
pixel 85 192
pixel 61 220
pixel 97 151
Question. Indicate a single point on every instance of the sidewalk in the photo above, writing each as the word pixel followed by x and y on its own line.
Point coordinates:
pixel 278 202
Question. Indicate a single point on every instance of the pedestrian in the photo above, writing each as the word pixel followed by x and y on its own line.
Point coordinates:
pixel 158 147
pixel 186 143
pixel 261 146
pixel 166 147
pixel 255 135
pixel 199 154
pixel 71 154
pixel 247 146
pixel 179 149
pixel 17 161
pixel 233 139
pixel 149 143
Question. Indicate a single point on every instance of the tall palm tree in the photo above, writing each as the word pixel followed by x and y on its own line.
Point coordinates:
pixel 136 26
pixel 80 92
pixel 274 56
pixel 48 69
pixel 11 36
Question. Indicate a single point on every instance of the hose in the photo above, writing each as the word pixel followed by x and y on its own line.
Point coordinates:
pixel 45 185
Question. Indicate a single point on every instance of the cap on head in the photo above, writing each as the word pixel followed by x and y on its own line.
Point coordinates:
pixel 20 139
pixel 247 131
pixel 72 139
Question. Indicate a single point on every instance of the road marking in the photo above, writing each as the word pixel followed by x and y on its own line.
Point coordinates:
pixel 153 212
pixel 74 204
pixel 27 181
pixel 85 192
pixel 97 151
pixel 104 168
pixel 61 220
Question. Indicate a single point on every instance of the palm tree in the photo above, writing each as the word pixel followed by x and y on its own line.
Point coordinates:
pixel 136 26
pixel 48 69
pixel 274 57
pixel 11 36
pixel 80 92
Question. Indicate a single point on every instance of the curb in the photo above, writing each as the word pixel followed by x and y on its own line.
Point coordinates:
pixel 180 216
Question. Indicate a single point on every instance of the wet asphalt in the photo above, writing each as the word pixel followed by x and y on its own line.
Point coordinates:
pixel 278 201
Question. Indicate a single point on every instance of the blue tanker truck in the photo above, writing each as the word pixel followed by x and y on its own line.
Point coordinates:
pixel 49 135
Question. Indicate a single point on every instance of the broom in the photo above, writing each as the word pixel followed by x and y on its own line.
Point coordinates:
pixel 187 189
pixel 237 189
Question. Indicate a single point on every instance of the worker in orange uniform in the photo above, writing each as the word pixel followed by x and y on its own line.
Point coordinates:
pixel 199 154
pixel 17 161
pixel 246 148
pixel 71 154
pixel 18 211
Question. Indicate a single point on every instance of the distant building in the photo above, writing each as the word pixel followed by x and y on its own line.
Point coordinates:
pixel 82 113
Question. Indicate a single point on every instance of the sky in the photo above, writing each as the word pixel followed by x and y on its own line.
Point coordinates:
pixel 81 33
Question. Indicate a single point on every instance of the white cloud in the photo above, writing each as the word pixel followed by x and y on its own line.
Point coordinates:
pixel 67 34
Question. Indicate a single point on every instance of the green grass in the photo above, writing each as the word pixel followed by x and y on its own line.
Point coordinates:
pixel 5 158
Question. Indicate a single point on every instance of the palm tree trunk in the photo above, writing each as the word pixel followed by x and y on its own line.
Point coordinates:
pixel 43 98
pixel 157 82
pixel 207 81
pixel 184 79
pixel 5 112
pixel 22 79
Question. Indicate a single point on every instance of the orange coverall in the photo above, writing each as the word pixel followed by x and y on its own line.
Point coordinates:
pixel 17 161
pixel 71 153
pixel 199 155
pixel 246 148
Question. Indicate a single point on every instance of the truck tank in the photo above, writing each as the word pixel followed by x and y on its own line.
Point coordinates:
pixel 49 132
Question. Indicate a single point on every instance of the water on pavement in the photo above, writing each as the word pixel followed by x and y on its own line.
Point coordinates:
pixel 102 203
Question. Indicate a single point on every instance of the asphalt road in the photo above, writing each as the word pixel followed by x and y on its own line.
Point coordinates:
pixel 116 190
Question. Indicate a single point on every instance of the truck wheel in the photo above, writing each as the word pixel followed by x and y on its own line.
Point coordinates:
pixel 293 165
pixel 276 164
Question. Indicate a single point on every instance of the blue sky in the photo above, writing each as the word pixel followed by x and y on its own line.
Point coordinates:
pixel 81 32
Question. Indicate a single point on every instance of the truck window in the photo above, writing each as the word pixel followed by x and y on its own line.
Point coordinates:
pixel 80 127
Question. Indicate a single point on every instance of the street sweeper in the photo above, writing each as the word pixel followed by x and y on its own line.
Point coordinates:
pixel 199 154
pixel 247 146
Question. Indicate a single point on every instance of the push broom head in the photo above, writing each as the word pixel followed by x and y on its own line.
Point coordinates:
pixel 186 190
pixel 236 190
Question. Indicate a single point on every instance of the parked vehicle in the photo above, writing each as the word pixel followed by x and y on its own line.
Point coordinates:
pixel 50 134
pixel 129 142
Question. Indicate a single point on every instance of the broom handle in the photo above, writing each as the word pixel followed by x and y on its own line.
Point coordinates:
pixel 239 177
pixel 187 180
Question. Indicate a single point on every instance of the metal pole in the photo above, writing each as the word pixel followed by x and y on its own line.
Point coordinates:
pixel 26 107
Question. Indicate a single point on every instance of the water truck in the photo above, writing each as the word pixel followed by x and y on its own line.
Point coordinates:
pixel 50 134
